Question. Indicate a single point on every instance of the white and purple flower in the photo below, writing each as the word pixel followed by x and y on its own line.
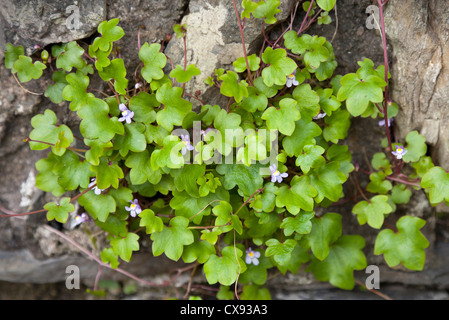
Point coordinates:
pixel 252 256
pixel 83 217
pixel 319 116
pixel 276 175
pixel 93 182
pixel 188 146
pixel 127 114
pixel 134 208
pixel 382 122
pixel 291 80
pixel 400 151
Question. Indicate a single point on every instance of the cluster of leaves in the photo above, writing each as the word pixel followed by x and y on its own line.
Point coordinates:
pixel 210 212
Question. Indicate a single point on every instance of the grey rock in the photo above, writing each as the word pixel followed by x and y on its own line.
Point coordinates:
pixel 418 32
pixel 214 41
pixel 30 23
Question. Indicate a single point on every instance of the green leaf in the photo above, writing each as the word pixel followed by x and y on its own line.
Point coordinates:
pixel 149 220
pixel 110 32
pixel 107 174
pixel 337 126
pixel 171 240
pixel 97 150
pixel 303 135
pixel 47 179
pixel 180 30
pixel 361 88
pixel 115 71
pixel 133 140
pixel 373 212
pixel 12 54
pixel 325 231
pixel 175 109
pixel 378 184
pixel 76 90
pixel 400 194
pixel 380 162
pixel 72 171
pixel 46 130
pixel 344 257
pixel 436 181
pixel 328 180
pixel 198 251
pixel 254 101
pixel 405 246
pixel 416 147
pixel 248 179
pixel 27 70
pixel 224 269
pixel 281 252
pixel 282 119
pixel 299 196
pixel 185 178
pixel 107 255
pixel 54 91
pixel 279 66
pixel 71 56
pixel 328 102
pixel 98 206
pixel 142 105
pixel 253 61
pixel 422 166
pixel 96 123
pixel 141 170
pixel 248 7
pixel 265 201
pixel 300 224
pixel 255 292
pixel 308 100
pixel 231 87
pixel 124 246
pixel 312 48
pixel 310 158
pixel 267 9
pixel 183 76
pixel 59 212
pixel 154 61
pixel 326 5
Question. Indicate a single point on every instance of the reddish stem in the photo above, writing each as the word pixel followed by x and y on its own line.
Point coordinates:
pixel 243 44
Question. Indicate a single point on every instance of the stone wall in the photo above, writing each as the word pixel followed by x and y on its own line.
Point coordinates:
pixel 417 36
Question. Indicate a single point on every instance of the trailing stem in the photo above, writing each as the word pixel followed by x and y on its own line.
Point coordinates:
pixel 243 43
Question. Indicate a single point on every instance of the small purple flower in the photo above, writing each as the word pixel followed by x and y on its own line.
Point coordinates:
pixel 97 191
pixel 205 132
pixel 291 80
pixel 400 151
pixel 126 113
pixel 83 217
pixel 134 208
pixel 188 145
pixel 276 175
pixel 252 256
pixel 382 122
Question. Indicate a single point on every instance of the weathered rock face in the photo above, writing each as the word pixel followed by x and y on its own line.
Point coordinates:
pixel 418 32
pixel 43 22
pixel 214 40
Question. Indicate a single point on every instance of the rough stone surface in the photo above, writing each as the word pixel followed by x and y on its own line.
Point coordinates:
pixel 214 40
pixel 43 22
pixel 418 32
